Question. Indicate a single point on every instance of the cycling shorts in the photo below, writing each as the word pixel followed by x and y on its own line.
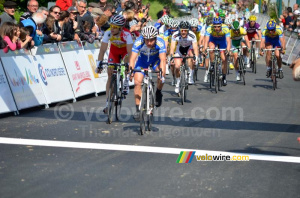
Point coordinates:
pixel 275 42
pixel 221 42
pixel 117 54
pixel 144 64
pixel 251 35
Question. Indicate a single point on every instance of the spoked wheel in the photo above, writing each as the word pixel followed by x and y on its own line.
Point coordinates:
pixel 254 64
pixel 143 110
pixel 120 98
pixel 242 70
pixel 216 79
pixel 182 87
pixel 274 78
pixel 111 101
pixel 151 105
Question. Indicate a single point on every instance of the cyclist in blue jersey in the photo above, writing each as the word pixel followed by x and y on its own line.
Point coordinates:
pixel 148 49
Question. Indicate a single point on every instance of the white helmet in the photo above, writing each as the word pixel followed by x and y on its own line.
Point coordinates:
pixel 117 20
pixel 174 23
pixel 149 32
pixel 194 22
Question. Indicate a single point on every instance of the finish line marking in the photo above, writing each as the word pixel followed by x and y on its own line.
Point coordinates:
pixel 145 149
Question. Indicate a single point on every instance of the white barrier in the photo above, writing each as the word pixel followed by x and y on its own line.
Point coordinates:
pixel 52 74
pixel 92 52
pixel 23 79
pixel 7 103
pixel 81 79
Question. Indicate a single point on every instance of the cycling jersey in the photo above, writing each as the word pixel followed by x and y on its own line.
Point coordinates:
pixel 217 35
pixel 277 34
pixel 239 35
pixel 253 29
pixel 118 48
pixel 162 30
pixel 184 42
pixel 146 55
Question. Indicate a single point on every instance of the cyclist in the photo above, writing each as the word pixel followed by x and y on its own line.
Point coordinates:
pixel 272 37
pixel 208 23
pixel 121 45
pixel 218 34
pixel 253 31
pixel 167 38
pixel 148 49
pixel 237 33
pixel 186 41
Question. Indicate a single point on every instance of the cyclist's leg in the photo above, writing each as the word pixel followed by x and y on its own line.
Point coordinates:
pixel 191 64
pixel 160 84
pixel 138 79
pixel 178 62
pixel 268 57
pixel 125 58
pixel 211 45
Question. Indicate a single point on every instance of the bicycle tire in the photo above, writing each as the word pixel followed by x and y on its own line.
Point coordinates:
pixel 216 76
pixel 228 63
pixel 182 85
pixel 151 105
pixel 143 110
pixel 119 100
pixel 241 70
pixel 111 100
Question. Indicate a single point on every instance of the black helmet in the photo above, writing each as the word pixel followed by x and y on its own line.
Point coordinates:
pixel 184 25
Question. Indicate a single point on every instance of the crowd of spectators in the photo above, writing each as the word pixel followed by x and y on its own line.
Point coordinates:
pixel 66 21
pixel 290 19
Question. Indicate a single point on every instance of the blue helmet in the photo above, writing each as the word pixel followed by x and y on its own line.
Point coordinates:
pixel 271 25
pixel 217 20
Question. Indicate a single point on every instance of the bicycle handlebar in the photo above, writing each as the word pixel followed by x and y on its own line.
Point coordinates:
pixel 183 57
pixel 272 49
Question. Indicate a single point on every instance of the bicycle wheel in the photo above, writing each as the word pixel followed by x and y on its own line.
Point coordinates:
pixel 151 105
pixel 241 70
pixel 274 75
pixel 228 63
pixel 216 77
pixel 254 62
pixel 119 99
pixel 182 86
pixel 143 110
pixel 111 99
pixel 195 76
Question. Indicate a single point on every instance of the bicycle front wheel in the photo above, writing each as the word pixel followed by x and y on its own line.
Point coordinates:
pixel 182 86
pixel 274 74
pixel 241 70
pixel 119 99
pixel 111 100
pixel 151 106
pixel 143 110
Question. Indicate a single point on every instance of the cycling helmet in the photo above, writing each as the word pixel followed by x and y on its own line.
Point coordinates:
pixel 149 32
pixel 118 20
pixel 252 18
pixel 240 15
pixel 222 15
pixel 165 19
pixel 217 20
pixel 271 25
pixel 206 14
pixel 220 11
pixel 194 22
pixel 209 21
pixel 174 24
pixel 184 25
pixel 235 25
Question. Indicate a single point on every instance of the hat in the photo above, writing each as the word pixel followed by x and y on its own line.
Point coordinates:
pixel 72 9
pixel 296 12
pixel 94 5
pixel 97 11
pixel 9 4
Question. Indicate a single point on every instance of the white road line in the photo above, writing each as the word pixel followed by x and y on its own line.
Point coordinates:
pixel 145 149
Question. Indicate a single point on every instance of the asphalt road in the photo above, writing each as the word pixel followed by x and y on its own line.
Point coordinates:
pixel 251 119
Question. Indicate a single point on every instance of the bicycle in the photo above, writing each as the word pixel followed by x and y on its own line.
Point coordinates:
pixel 201 62
pixel 274 67
pixel 147 102
pixel 253 56
pixel 115 93
pixel 184 75
pixel 240 60
pixel 215 74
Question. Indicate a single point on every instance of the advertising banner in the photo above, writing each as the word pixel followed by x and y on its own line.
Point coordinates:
pixel 81 78
pixel 23 79
pixel 52 74
pixel 7 103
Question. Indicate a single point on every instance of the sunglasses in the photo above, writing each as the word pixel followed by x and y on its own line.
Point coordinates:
pixel 217 26
pixel 184 30
pixel 56 12
pixel 114 26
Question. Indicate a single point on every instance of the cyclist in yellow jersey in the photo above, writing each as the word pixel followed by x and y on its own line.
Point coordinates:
pixel 272 37
pixel 218 34
pixel 237 33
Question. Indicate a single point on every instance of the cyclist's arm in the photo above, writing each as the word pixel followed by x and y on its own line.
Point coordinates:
pixel 102 51
pixel 259 34
pixel 172 48
pixel 132 59
pixel 129 49
pixel 228 43
pixel 247 41
pixel 282 41
pixel 196 50
pixel 163 62
pixel 206 39
pixel 262 44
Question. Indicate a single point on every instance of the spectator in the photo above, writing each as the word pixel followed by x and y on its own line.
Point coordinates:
pixel 109 10
pixel 43 10
pixel 33 24
pixel 295 7
pixel 25 38
pixel 96 14
pixel 296 69
pixel 55 11
pixel 71 26
pixel 32 7
pixel 121 8
pixel 288 19
pixel 265 8
pixel 100 22
pixel 164 11
pixel 9 12
pixel 64 4
pixel 8 32
pixel 93 5
pixel 255 9
pixel 49 31
pixel 102 4
pixel 82 18
pixel 2 43
pixel 59 24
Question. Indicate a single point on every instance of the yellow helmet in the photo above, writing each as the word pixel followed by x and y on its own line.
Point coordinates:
pixel 252 18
